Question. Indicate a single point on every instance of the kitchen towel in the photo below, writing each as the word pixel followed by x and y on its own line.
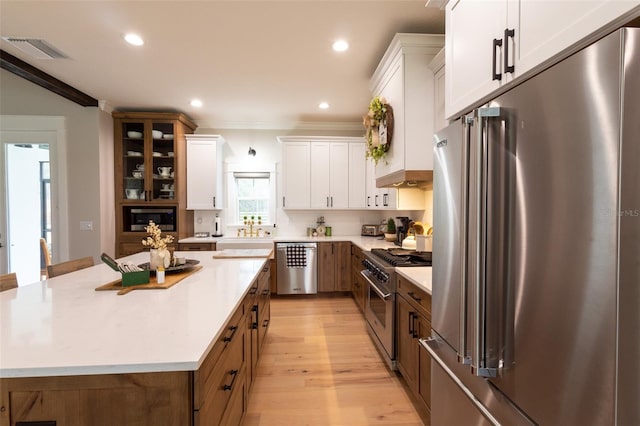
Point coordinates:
pixel 296 257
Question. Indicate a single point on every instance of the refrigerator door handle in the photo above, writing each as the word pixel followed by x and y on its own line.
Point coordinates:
pixel 479 365
pixel 463 353
pixel 430 344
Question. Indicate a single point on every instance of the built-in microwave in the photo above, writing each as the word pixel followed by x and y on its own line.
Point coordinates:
pixel 164 217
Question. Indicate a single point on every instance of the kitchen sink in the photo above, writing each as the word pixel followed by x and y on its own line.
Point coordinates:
pixel 244 243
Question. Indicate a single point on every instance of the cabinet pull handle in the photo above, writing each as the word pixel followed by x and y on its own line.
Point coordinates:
pixel 385 200
pixel 234 375
pixel 410 323
pixel 331 201
pixel 265 292
pixel 368 201
pixel 254 290
pixel 376 201
pixel 214 201
pixel 283 205
pixel 494 64
pixel 233 330
pixel 254 325
pixel 414 297
pixel 265 323
pixel 415 333
pixel 327 201
pixel 509 34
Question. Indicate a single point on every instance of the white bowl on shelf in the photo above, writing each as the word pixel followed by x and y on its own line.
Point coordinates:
pixel 134 154
pixel 168 136
pixel 134 135
pixel 157 134
pixel 170 153
pixel 157 154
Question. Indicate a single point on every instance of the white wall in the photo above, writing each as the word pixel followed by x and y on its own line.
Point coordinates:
pixel 83 162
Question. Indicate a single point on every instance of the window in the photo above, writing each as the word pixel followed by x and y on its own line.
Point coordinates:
pixel 253 196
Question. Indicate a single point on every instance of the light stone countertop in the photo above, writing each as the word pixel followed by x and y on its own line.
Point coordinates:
pixel 420 276
pixel 62 326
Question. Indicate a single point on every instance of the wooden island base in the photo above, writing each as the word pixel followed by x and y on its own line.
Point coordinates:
pixel 116 399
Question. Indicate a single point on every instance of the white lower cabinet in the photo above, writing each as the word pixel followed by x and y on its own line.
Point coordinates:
pixel 204 172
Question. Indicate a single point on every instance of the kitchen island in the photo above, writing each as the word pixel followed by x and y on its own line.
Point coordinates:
pixel 74 355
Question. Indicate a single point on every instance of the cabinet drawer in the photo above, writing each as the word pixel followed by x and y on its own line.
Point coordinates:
pixel 226 379
pixel 196 246
pixel 419 299
pixel 263 324
pixel 232 336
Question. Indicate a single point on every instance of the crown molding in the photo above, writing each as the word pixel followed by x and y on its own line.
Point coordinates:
pixel 281 125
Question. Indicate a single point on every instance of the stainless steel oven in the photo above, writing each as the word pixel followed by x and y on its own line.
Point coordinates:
pixel 380 306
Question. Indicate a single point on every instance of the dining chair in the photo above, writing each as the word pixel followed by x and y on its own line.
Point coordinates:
pixel 45 259
pixel 69 266
pixel 8 281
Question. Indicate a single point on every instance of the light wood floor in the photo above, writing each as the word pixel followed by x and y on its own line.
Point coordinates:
pixel 319 367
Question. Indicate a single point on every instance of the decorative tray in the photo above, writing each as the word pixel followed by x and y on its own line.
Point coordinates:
pixel 190 263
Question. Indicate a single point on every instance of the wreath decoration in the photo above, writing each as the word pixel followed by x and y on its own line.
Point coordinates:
pixel 378 125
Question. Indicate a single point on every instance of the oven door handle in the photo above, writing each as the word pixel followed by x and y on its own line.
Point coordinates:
pixel 375 287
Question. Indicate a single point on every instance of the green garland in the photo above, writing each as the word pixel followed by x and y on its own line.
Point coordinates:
pixel 378 110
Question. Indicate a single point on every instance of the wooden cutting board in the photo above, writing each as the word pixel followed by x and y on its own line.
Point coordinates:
pixel 169 281
pixel 241 253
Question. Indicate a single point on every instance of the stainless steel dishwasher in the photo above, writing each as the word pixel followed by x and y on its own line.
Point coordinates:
pixel 297 268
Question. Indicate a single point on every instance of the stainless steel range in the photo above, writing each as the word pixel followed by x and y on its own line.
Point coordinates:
pixel 379 272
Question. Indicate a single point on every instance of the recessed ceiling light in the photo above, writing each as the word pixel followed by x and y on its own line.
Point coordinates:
pixel 196 103
pixel 134 39
pixel 340 45
pixel 323 105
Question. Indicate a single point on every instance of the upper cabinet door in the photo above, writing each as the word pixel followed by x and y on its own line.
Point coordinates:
pixel 204 172
pixel 296 175
pixel 491 45
pixel 320 189
pixel 339 180
pixel 471 59
pixel 546 28
pixel 145 161
pixel 357 176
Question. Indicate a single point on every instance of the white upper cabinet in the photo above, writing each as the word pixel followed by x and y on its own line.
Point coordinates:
pixel 493 44
pixel 404 78
pixel 323 172
pixel 329 175
pixel 437 65
pixel 204 172
pixel 296 175
pixel 357 175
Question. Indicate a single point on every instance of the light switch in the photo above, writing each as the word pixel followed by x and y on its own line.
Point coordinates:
pixel 86 225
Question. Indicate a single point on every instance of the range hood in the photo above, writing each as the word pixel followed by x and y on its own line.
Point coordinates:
pixel 422 179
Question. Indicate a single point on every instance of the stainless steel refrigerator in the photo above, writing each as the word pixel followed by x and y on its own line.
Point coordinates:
pixel 536 249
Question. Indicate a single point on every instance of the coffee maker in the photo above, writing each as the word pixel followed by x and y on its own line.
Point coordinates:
pixel 402 228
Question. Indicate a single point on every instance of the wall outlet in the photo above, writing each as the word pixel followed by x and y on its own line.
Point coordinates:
pixel 86 225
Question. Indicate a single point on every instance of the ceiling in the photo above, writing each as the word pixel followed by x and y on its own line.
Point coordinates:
pixel 254 64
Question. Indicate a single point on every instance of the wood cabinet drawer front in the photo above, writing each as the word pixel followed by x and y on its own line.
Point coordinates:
pixel 263 324
pixel 419 298
pixel 227 377
pixel 232 334
pixel 237 405
pixel 196 247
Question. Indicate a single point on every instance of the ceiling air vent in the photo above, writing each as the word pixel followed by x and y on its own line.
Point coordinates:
pixel 35 47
